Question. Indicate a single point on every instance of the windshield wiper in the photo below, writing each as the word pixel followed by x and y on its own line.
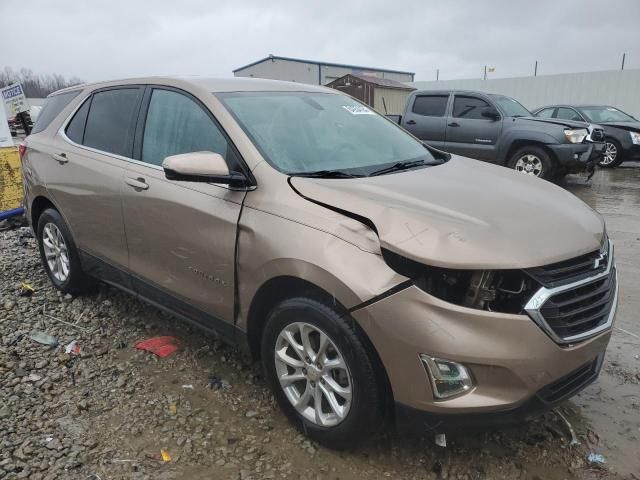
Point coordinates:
pixel 325 174
pixel 399 166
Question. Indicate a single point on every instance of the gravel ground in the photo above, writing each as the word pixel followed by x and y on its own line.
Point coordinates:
pixel 108 412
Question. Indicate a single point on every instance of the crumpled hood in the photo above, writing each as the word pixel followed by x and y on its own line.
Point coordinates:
pixel 632 126
pixel 553 121
pixel 465 214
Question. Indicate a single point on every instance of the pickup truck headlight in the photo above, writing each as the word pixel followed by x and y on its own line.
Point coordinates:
pixel 635 138
pixel 505 291
pixel 576 135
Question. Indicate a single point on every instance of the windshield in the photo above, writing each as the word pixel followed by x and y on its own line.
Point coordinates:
pixel 305 132
pixel 511 107
pixel 606 114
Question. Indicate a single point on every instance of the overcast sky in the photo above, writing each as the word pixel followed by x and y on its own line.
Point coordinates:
pixel 97 40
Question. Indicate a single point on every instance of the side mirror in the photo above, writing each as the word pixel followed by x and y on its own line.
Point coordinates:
pixel 491 113
pixel 206 167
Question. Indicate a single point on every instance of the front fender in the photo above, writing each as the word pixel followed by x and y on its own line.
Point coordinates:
pixel 533 136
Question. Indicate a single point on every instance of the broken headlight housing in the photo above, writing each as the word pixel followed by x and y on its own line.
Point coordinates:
pixel 504 291
pixel 576 135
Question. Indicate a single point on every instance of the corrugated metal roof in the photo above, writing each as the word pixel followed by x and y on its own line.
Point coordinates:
pixel 381 82
pixel 315 62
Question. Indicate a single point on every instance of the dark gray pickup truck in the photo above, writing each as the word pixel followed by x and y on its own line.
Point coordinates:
pixel 498 129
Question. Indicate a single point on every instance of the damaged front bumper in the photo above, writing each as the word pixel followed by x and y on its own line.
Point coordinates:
pixel 579 157
pixel 517 369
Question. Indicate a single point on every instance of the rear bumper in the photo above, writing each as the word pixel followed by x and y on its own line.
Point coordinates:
pixel 579 157
pixel 409 419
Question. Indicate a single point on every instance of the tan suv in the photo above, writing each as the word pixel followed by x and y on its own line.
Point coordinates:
pixel 375 277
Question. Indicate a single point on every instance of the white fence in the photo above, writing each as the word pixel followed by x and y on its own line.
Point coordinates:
pixel 618 88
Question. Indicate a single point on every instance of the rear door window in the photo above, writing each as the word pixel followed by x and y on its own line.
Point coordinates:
pixel 568 114
pixel 52 108
pixel 545 113
pixel 75 129
pixel 177 124
pixel 469 107
pixel 111 119
pixel 430 105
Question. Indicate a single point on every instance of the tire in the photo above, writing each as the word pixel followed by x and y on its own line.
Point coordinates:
pixel 533 160
pixel 613 154
pixel 361 412
pixel 63 265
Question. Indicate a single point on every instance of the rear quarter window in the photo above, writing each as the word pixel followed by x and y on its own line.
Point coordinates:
pixel 52 108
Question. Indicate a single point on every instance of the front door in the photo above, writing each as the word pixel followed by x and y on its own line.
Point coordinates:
pixel 468 132
pixel 181 235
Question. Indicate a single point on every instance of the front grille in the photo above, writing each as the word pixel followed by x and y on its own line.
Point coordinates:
pixel 571 383
pixel 571 270
pixel 578 296
pixel 579 310
pixel 597 135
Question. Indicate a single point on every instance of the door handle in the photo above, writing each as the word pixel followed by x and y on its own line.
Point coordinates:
pixel 137 183
pixel 453 124
pixel 411 122
pixel 61 158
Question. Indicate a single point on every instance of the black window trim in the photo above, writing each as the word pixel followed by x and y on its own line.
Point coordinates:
pixel 142 119
pixel 62 131
pixel 477 97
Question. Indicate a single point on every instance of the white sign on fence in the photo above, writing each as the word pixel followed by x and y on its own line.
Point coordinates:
pixel 14 99
pixel 5 134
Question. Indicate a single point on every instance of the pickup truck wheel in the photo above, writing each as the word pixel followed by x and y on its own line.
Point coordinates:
pixel 534 161
pixel 321 372
pixel 59 255
pixel 612 154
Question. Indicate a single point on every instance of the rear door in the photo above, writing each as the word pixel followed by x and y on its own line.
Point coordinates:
pixel 426 119
pixel 181 235
pixel 468 132
pixel 87 167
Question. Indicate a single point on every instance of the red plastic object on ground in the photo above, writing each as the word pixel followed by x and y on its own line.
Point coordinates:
pixel 161 346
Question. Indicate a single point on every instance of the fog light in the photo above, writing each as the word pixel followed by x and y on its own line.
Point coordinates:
pixel 448 378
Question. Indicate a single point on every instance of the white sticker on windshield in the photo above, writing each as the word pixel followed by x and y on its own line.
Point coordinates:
pixel 358 110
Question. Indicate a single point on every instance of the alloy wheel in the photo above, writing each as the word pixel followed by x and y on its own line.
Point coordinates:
pixel 313 374
pixel 56 252
pixel 529 164
pixel 610 153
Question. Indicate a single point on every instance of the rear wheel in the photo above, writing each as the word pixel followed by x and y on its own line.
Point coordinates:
pixel 533 160
pixel 321 372
pixel 612 154
pixel 59 254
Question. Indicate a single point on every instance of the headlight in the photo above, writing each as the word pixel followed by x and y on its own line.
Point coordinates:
pixel 635 138
pixel 576 135
pixel 506 291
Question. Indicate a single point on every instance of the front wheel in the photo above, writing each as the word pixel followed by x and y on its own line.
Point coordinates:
pixel 321 372
pixel 534 161
pixel 612 154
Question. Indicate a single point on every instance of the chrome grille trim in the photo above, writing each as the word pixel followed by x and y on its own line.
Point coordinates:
pixel 539 298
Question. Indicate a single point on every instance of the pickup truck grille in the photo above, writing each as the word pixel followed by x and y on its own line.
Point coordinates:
pixel 576 302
